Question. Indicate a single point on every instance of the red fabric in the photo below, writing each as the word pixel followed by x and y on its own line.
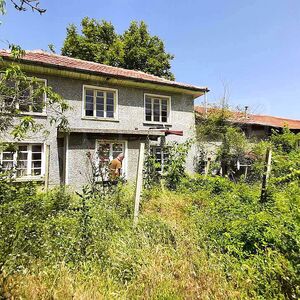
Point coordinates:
pixel 174 132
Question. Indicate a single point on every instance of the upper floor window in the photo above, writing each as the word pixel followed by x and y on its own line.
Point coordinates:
pixel 26 160
pixel 157 108
pixel 27 96
pixel 100 102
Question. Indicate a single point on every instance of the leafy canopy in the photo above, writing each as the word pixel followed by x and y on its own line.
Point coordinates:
pixel 135 49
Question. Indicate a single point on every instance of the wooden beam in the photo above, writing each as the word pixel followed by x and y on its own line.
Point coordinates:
pixel 266 175
pixel 139 183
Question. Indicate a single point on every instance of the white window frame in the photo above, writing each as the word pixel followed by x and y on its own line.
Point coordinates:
pixel 103 89
pixel 155 96
pixel 29 161
pixel 125 161
pixel 35 113
pixel 162 153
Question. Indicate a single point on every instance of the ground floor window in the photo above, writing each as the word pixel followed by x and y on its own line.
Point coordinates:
pixel 161 155
pixel 106 152
pixel 24 160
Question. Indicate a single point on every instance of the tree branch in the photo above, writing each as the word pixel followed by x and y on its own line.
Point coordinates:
pixel 22 5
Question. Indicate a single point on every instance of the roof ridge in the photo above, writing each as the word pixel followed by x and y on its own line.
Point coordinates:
pixel 256 115
pixel 79 65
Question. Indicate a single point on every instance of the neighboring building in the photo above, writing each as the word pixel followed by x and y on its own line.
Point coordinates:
pixel 113 110
pixel 254 125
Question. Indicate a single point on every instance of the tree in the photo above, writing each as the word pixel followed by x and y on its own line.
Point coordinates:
pixel 134 49
pixel 23 5
pixel 215 126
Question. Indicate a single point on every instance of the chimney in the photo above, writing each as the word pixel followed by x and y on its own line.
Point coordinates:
pixel 246 112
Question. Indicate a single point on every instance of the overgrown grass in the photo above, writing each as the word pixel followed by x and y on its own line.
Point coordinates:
pixel 211 239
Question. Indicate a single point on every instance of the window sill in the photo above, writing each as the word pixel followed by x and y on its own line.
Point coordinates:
pixel 157 123
pixel 34 114
pixel 30 178
pixel 99 119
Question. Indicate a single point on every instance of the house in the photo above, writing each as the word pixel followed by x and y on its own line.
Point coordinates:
pixel 254 125
pixel 113 111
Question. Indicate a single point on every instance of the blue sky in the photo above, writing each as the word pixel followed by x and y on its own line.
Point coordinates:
pixel 253 46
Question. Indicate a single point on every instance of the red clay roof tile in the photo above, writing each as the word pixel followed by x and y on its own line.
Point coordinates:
pixel 239 117
pixel 59 61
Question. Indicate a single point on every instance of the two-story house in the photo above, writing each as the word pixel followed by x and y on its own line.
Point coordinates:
pixel 113 110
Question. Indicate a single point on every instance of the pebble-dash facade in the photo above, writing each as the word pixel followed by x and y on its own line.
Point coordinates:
pixel 113 110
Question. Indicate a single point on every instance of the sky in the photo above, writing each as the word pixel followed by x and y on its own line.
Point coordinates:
pixel 250 48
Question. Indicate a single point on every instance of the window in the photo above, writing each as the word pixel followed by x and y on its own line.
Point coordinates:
pixel 106 152
pixel 161 155
pixel 25 161
pixel 100 102
pixel 30 99
pixel 157 108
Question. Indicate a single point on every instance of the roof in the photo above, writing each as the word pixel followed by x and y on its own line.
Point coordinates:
pixel 39 57
pixel 264 120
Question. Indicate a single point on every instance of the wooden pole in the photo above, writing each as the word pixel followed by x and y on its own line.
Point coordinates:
pixel 207 166
pixel 139 183
pixel 266 175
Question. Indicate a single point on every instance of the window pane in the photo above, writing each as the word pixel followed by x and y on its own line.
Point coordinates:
pixel 100 94
pixel 156 110
pixel 36 164
pixel 103 152
pixel 158 158
pixel 110 97
pixel 38 97
pixel 22 160
pixel 36 160
pixel 38 104
pixel 8 155
pixel 109 111
pixel 25 101
pixel 36 172
pixel 22 164
pixel 22 155
pixel 164 110
pixel 109 114
pixel 21 172
pixel 100 105
pixel 7 165
pixel 110 101
pixel 36 148
pixel 89 103
pixel 148 109
pixel 36 156
pixel 89 93
pixel 117 149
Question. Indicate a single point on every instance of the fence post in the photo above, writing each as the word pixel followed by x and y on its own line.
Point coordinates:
pixel 267 170
pixel 206 171
pixel 139 183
